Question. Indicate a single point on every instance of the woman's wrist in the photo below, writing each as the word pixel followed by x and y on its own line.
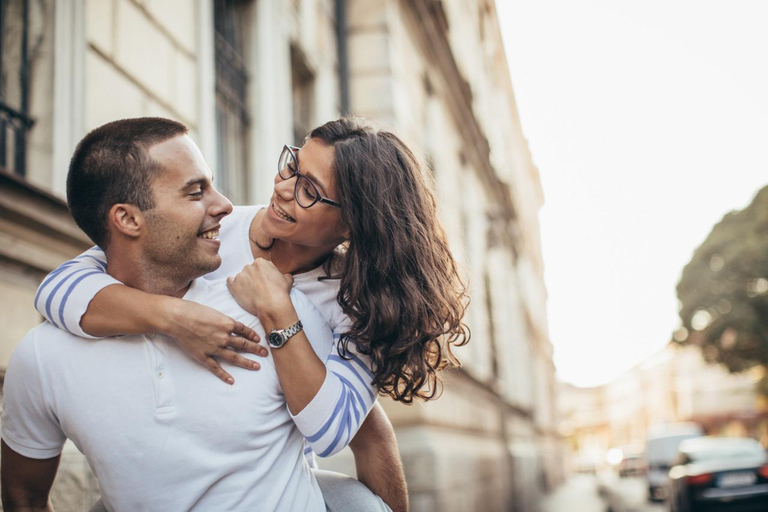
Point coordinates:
pixel 279 318
pixel 166 318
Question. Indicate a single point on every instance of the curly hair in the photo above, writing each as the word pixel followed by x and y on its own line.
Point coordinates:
pixel 399 283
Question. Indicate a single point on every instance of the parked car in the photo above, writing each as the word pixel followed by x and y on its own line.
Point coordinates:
pixel 719 473
pixel 632 464
pixel 661 450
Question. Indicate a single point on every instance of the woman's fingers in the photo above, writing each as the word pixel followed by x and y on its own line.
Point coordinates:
pixel 243 345
pixel 236 359
pixel 215 368
pixel 240 329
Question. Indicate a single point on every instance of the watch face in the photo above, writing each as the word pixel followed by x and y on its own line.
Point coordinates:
pixel 275 340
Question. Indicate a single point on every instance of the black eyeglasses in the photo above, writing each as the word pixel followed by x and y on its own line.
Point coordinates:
pixel 305 191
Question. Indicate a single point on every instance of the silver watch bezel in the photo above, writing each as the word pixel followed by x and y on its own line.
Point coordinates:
pixel 284 334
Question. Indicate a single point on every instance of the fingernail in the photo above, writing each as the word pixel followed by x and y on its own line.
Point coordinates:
pixel 255 366
pixel 230 381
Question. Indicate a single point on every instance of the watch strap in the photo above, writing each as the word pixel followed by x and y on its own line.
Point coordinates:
pixel 279 337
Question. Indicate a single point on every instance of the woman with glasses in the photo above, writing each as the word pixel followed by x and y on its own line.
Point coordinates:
pixel 352 224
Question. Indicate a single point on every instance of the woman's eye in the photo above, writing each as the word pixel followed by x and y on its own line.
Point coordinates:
pixel 308 190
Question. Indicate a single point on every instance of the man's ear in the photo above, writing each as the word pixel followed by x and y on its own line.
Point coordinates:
pixel 126 219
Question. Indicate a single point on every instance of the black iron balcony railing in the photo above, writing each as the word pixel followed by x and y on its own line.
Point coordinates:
pixel 232 115
pixel 15 121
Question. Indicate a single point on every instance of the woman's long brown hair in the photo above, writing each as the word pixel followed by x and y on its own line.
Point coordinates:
pixel 399 282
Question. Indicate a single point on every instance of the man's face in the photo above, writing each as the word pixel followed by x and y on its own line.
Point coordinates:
pixel 183 229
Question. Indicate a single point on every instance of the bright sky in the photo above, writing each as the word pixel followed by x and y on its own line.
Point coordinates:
pixel 648 121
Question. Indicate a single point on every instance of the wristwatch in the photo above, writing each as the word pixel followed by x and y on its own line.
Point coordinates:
pixel 278 337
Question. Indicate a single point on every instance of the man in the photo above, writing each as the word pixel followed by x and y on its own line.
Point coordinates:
pixel 158 435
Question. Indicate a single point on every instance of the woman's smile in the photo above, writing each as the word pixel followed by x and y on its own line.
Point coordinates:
pixel 281 214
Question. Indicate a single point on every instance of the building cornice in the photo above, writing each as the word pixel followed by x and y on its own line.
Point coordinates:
pixel 37 229
pixel 430 17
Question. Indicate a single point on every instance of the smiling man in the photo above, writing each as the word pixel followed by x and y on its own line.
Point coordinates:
pixel 157 433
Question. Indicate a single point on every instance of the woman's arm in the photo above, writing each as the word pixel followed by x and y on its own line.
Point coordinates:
pixel 63 296
pixel 329 399
pixel 81 298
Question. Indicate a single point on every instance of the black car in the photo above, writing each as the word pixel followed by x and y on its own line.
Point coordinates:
pixel 719 473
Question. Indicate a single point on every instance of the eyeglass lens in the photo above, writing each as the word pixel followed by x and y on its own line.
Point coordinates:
pixel 305 191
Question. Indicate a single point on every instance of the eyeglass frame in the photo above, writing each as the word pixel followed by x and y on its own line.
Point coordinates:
pixel 292 150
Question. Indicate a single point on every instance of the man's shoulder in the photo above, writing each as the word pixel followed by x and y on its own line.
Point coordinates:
pixel 47 331
pixel 27 352
pixel 215 294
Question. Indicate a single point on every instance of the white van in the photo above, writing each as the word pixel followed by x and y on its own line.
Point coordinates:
pixel 661 449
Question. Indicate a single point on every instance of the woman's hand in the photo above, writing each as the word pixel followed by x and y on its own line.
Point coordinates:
pixel 261 289
pixel 208 335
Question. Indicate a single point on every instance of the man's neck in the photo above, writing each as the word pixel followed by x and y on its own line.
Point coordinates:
pixel 144 276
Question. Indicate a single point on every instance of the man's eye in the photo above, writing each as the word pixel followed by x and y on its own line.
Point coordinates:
pixel 197 193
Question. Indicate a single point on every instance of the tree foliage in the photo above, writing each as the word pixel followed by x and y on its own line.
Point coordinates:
pixel 723 291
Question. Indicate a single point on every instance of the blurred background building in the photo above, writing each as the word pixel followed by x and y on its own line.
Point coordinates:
pixel 247 77
pixel 674 385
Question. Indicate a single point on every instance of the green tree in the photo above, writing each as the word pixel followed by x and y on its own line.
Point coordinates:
pixel 723 291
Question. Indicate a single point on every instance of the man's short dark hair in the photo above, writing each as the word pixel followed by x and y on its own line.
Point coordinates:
pixel 112 165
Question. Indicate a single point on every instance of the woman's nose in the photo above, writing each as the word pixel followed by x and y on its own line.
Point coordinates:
pixel 285 187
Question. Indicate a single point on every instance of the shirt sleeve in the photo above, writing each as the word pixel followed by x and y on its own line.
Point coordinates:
pixel 29 424
pixel 334 415
pixel 64 295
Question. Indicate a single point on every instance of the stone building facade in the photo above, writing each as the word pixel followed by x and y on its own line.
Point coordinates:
pixel 247 77
pixel 674 385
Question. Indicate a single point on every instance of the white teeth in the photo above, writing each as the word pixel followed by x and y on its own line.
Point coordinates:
pixel 280 213
pixel 210 235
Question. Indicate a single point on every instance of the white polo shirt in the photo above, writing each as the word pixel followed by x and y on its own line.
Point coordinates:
pixel 159 431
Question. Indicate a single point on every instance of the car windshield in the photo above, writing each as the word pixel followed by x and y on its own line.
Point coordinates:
pixel 721 449
pixel 664 449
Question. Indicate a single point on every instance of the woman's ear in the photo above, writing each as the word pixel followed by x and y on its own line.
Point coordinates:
pixel 126 219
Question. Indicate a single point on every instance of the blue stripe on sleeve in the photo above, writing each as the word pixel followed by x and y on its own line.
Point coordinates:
pixel 69 291
pixel 56 289
pixel 344 425
pixel 328 423
pixel 50 278
pixel 363 366
pixel 102 264
pixel 363 407
pixel 349 386
pixel 337 336
pixel 348 366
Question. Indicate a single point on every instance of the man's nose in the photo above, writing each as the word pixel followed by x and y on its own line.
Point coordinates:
pixel 221 206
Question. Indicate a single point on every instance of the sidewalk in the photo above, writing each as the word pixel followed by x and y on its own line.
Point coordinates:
pixel 579 494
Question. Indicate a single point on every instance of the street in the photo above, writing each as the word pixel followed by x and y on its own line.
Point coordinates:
pixel 582 493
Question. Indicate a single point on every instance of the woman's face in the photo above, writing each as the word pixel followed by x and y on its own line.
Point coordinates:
pixel 318 226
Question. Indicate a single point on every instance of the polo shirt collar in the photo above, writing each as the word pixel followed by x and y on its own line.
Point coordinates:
pixel 197 291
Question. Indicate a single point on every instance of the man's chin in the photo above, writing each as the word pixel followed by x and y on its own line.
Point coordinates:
pixel 212 264
pixel 205 266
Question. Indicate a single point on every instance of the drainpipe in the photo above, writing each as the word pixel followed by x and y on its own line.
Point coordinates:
pixel 341 44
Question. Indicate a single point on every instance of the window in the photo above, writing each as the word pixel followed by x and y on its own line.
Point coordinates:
pixel 303 81
pixel 15 122
pixel 232 118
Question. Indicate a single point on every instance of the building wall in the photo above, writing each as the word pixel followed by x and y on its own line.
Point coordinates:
pixel 674 385
pixel 433 71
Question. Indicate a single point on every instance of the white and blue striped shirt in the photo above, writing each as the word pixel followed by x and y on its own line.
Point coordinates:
pixel 330 420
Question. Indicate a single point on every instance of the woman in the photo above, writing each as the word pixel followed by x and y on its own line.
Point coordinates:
pixel 353 225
